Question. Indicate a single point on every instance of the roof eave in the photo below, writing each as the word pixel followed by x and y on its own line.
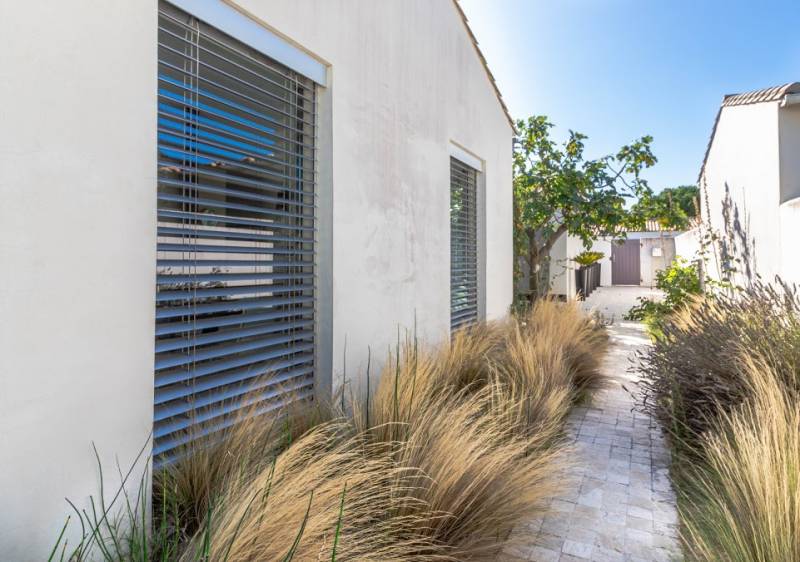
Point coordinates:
pixel 766 95
pixel 485 64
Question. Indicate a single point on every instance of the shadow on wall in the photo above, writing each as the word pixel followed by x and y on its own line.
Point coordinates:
pixel 734 248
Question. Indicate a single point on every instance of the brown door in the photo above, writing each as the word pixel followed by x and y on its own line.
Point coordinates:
pixel 625 264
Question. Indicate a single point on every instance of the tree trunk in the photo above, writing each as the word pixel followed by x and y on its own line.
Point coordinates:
pixel 533 266
pixel 538 252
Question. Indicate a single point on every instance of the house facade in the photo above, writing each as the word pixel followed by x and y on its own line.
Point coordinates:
pixel 208 199
pixel 633 261
pixel 750 185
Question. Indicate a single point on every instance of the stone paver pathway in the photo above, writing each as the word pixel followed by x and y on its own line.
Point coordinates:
pixel 619 504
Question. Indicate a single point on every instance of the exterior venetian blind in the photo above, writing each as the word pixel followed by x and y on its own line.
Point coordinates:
pixel 463 245
pixel 235 270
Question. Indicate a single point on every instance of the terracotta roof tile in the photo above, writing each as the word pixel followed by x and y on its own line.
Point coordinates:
pixel 655 226
pixel 776 93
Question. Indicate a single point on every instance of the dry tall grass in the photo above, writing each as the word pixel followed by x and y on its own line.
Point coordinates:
pixel 743 504
pixel 724 380
pixel 290 508
pixel 457 446
pixel 692 374
pixel 551 354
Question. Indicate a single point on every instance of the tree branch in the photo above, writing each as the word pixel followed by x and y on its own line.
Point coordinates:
pixel 548 245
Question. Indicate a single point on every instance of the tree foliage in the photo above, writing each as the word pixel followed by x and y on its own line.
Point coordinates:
pixel 673 207
pixel 557 190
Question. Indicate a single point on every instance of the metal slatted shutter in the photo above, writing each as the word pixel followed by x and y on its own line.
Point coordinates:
pixel 463 245
pixel 235 283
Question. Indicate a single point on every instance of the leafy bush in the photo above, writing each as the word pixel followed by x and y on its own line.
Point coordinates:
pixel 680 282
pixel 588 258
pixel 458 445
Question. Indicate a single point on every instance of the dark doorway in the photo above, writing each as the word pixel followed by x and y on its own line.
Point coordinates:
pixel 625 265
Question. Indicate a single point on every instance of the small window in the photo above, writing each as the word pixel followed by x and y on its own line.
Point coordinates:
pixel 463 245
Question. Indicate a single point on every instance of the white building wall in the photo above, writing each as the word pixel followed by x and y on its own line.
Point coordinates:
pixel 403 87
pixel 77 252
pixel 604 246
pixel 687 245
pixel 744 156
pixel 562 264
pixel 656 253
pixel 77 224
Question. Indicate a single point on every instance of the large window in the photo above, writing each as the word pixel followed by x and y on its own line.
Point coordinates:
pixel 463 245
pixel 235 283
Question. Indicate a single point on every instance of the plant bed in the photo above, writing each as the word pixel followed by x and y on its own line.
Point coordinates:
pixel 723 377
pixel 457 446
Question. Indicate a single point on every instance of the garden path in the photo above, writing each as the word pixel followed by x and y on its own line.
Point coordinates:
pixel 618 503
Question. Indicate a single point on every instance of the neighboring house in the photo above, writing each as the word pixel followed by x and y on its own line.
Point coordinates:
pixel 200 192
pixel 634 261
pixel 750 184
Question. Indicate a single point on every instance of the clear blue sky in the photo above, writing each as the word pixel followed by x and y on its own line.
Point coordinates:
pixel 618 69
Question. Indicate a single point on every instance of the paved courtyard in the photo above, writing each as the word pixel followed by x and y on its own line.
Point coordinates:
pixel 615 301
pixel 619 504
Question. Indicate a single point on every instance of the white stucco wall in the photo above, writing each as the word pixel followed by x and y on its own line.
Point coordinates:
pixel 562 266
pixel 559 267
pixel 687 244
pixel 77 251
pixel 77 224
pixel 604 246
pixel 744 155
pixel 650 264
pixel 404 86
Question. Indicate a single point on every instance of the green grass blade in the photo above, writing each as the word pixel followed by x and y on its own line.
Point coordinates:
pixel 338 524
pixel 290 555
pixel 58 542
pixel 238 527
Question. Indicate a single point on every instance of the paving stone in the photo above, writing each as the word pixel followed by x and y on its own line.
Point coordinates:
pixel 570 558
pixel 577 549
pixel 562 506
pixel 619 477
pixel 601 554
pixel 618 504
pixel 552 542
pixel 637 536
pixel 591 499
pixel 639 524
pixel 540 554
pixel 515 552
pixel 640 512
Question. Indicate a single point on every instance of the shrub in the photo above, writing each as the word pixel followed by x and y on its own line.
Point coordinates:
pixel 692 372
pixel 458 445
pixel 743 503
pixel 680 283
pixel 724 380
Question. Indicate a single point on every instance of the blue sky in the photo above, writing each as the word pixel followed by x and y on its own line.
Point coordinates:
pixel 618 69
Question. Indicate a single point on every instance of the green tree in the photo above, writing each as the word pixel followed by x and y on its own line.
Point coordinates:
pixel 673 207
pixel 557 190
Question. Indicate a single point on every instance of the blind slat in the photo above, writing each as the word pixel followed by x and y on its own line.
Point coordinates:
pixel 463 245
pixel 236 178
